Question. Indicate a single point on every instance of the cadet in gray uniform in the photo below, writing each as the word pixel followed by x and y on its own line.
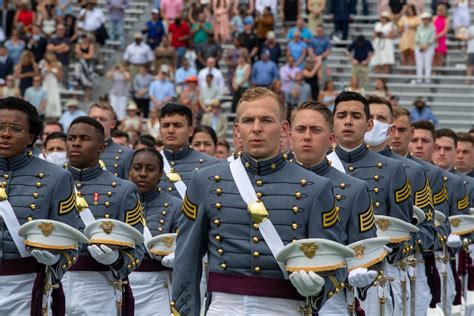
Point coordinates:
pixel 151 281
pixel 115 157
pixel 311 135
pixel 244 277
pixel 35 189
pixel 464 159
pixel 176 129
pixel 108 197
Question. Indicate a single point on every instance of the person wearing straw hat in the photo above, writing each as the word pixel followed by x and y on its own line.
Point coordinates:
pixel 31 189
pixel 311 135
pixel 243 213
pixel 102 195
pixel 424 241
pixel 72 112
pixel 151 281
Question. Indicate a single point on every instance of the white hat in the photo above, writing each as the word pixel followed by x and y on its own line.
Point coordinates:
pixel 439 218
pixel 51 235
pixel 418 215
pixel 461 224
pixel 113 233
pixel 72 102
pixel 386 14
pixel 163 244
pixel 367 252
pixel 471 210
pixel 425 15
pixel 132 106
pixel 394 228
pixel 314 254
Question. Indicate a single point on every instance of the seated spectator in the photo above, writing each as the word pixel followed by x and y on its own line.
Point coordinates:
pixel 273 47
pixel 241 79
pixel 249 39
pixel 360 52
pixel 26 69
pixel 320 46
pixel 24 17
pixel 264 71
pixel 299 91
pixel 215 119
pixel 209 92
pixel 303 31
pixel 153 123
pixel 180 37
pixel 264 24
pixel 297 49
pixel 210 49
pixel 6 63
pixel 354 86
pixel 420 112
pixel 36 95
pixel 70 114
pixel 54 149
pixel 60 46
pixel 144 141
pixel 288 74
pixel 184 72
pixel 218 78
pixel 162 90
pixel 84 66
pixel 425 47
pixel 222 150
pixel 381 89
pixel 9 88
pixel 154 29
pixel 201 30
pixel 204 140
pixel 384 51
pixel 120 137
pixel 328 95
pixel 118 94
pixel 15 47
pixel 132 123
pixel 141 88
pixel 407 26
pixel 37 43
pixel 165 54
pixel 190 98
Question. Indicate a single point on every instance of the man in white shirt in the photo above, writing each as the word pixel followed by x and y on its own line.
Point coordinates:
pixel 91 17
pixel 218 78
pixel 138 54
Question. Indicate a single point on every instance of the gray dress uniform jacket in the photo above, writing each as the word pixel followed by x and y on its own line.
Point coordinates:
pixel 117 159
pixel 111 197
pixel 37 189
pixel 458 200
pixel 469 183
pixel 389 187
pixel 356 213
pixel 422 197
pixel 215 220
pixel 184 162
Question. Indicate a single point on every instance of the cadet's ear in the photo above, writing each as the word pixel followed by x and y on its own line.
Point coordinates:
pixel 190 131
pixel 332 138
pixel 101 148
pixel 412 132
pixel 370 125
pixel 285 128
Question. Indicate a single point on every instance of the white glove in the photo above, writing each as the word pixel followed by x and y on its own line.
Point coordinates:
pixel 168 260
pixel 307 283
pixel 389 250
pixel 361 277
pixel 45 257
pixel 454 241
pixel 103 254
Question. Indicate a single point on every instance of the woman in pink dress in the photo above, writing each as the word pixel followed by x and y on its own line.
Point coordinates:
pixel 441 23
pixel 221 14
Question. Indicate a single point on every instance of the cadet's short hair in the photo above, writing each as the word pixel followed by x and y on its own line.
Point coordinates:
pixel 99 129
pixel 205 129
pixel 34 121
pixel 465 137
pixel 223 142
pixel 471 131
pixel 147 140
pixel 253 94
pixel 399 112
pixel 120 133
pixel 426 125
pixel 447 132
pixel 49 122
pixel 317 107
pixel 175 108
pixel 352 96
pixel 375 99
pixel 152 151
pixel 104 106
pixel 55 135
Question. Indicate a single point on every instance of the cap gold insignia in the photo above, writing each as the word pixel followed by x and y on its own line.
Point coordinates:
pixel 455 222
pixel 359 251
pixel 168 241
pixel 107 226
pixel 46 228
pixel 382 224
pixel 309 249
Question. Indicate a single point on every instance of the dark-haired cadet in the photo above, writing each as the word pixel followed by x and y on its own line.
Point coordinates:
pixel 55 148
pixel 389 186
pixel 35 189
pixel 151 281
pixel 145 141
pixel 204 140
pixel 179 159
pixel 108 197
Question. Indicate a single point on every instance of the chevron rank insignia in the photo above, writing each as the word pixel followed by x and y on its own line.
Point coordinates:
pixel 366 219
pixel 330 217
pixel 135 215
pixel 463 203
pixel 68 204
pixel 424 197
pixel 189 209
pixel 441 196
pixel 403 193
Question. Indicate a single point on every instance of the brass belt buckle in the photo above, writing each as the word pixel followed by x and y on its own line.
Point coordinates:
pixel 257 211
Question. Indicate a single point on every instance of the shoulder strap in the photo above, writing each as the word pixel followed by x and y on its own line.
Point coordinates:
pixel 173 176
pixel 336 162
